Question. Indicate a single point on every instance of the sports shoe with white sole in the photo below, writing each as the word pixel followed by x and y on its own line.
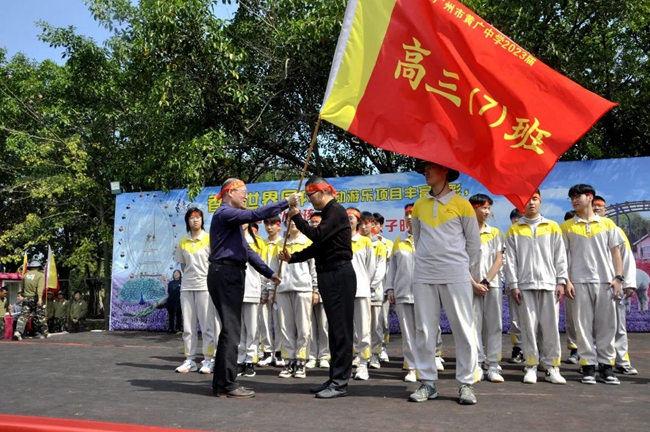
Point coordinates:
pixel 324 364
pixel 411 376
pixel 362 373
pixel 531 375
pixel 374 362
pixel 207 367
pixel 553 375
pixel 423 393
pixel 493 375
pixel 383 356
pixel 626 370
pixel 311 363
pixel 588 374
pixel 355 362
pixel 606 375
pixel 187 366
pixel 466 395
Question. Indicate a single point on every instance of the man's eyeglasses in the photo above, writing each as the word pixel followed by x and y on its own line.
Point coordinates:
pixel 309 195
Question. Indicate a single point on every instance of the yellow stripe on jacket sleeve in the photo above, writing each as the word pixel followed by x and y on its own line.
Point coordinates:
pixel 362 35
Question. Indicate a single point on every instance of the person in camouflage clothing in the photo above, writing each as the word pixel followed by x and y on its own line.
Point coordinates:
pixel 33 286
pixel 78 312
pixel 61 313
pixel 49 310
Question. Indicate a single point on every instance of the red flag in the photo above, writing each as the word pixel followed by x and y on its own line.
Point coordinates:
pixel 433 80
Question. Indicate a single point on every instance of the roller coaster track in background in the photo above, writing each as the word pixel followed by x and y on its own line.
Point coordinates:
pixel 614 211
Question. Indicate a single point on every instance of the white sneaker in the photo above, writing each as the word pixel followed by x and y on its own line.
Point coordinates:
pixel 494 376
pixel 411 376
pixel 553 375
pixel 374 362
pixel 356 362
pixel 265 359
pixel 324 364
pixel 439 364
pixel 18 336
pixel 187 366
pixel 311 363
pixel 531 375
pixel 362 373
pixel 383 356
pixel 207 367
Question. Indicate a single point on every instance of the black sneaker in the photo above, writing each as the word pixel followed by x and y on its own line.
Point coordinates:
pixel 299 371
pixel 249 370
pixel 606 375
pixel 588 374
pixel 517 356
pixel 240 369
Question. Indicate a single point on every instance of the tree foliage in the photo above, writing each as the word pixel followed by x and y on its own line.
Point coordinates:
pixel 179 98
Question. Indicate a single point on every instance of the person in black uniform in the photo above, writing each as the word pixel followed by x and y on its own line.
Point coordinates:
pixel 337 282
pixel 174 303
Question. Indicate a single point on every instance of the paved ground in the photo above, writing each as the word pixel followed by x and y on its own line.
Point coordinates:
pixel 128 377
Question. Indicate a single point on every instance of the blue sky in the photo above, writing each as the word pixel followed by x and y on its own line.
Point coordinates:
pixel 19 32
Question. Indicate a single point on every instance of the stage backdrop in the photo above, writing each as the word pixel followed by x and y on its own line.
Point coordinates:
pixel 149 225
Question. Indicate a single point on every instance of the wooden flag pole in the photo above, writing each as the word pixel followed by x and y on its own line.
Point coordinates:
pixel 302 177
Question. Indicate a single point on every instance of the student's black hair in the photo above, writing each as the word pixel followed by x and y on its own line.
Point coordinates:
pixel 580 189
pixel 187 217
pixel 408 205
pixel 316 214
pixel 251 233
pixel 272 220
pixel 367 216
pixel 480 199
pixel 598 197
pixel 379 218
pixel 515 214
pixel 569 215
pixel 359 221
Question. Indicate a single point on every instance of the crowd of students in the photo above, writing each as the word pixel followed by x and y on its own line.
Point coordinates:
pixel 450 258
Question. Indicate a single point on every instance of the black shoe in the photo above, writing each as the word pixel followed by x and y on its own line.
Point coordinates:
pixel 249 370
pixel 606 375
pixel 240 369
pixel 517 356
pixel 331 393
pixel 238 393
pixel 320 388
pixel 588 374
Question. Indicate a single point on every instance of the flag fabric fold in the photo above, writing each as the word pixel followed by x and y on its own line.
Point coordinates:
pixel 51 274
pixel 433 80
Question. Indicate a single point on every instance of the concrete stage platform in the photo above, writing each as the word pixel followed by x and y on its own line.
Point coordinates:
pixel 128 377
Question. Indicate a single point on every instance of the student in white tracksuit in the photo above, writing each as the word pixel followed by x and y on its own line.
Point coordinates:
pixel 376 288
pixel 596 273
pixel 400 293
pixel 486 282
pixel 319 350
pixel 270 345
pixel 363 262
pixel 192 254
pixel 247 355
pixel 385 307
pixel 569 325
pixel 447 243
pixel 536 271
pixel 295 297
pixel 517 355
pixel 622 361
pixel 642 286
